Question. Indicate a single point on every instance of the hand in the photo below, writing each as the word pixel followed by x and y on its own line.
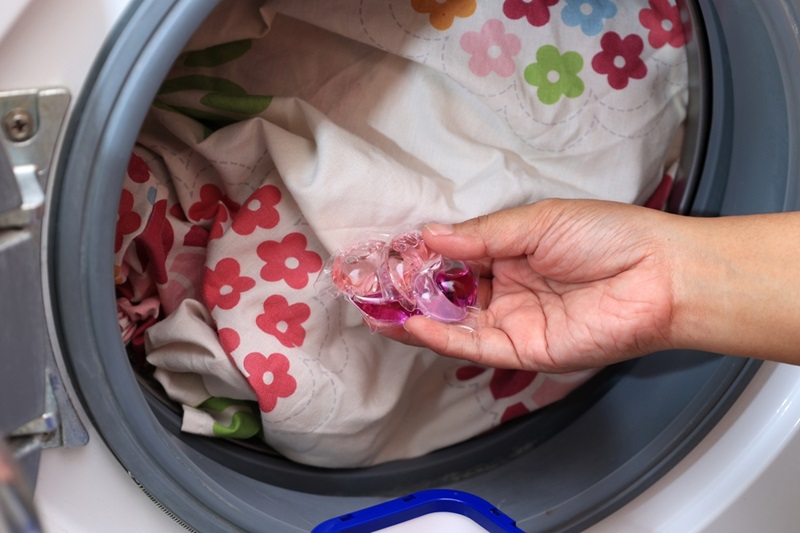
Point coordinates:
pixel 565 285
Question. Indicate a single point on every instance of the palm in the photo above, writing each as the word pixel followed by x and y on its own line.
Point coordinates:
pixel 569 285
pixel 589 314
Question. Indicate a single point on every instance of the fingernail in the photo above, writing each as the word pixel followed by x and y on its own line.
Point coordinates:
pixel 437 229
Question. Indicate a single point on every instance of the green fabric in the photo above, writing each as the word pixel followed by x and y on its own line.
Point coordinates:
pixel 244 421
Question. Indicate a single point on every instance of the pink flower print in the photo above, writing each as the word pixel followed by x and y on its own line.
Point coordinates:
pixel 620 59
pixel 443 12
pixel 664 22
pixel 536 11
pixel 128 220
pixel 492 49
pixel 289 260
pixel 210 199
pixel 138 170
pixel 284 321
pixel 270 378
pixel 223 286
pixel 258 211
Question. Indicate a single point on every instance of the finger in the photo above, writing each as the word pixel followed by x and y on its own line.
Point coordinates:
pixel 483 345
pixel 506 233
pixel 399 334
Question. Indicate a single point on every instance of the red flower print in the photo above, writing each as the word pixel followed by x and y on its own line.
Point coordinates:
pixel 506 383
pixel 258 211
pixel 229 339
pixel 658 200
pixel 196 236
pixel 216 227
pixel 270 378
pixel 503 383
pixel 284 321
pixel 206 207
pixel 536 11
pixel 620 59
pixel 288 260
pixel 513 411
pixel 128 220
pixel 138 170
pixel 155 242
pixel 553 388
pixel 444 12
pixel 176 211
pixel 466 373
pixel 223 286
pixel 665 25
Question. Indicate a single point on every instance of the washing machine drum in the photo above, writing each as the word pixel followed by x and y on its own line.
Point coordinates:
pixel 740 156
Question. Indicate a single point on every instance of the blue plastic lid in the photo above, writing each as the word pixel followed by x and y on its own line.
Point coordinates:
pixel 417 505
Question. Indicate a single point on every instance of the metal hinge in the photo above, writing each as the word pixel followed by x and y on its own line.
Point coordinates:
pixel 58 426
pixel 31 122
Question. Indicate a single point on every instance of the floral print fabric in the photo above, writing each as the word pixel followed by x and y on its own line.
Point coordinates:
pixel 280 136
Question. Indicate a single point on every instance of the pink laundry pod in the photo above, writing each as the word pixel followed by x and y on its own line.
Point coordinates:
pixel 391 280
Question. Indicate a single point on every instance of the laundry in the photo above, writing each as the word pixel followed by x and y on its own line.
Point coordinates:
pixel 286 131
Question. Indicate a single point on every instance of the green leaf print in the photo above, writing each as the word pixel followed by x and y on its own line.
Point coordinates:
pixel 211 122
pixel 213 101
pixel 235 419
pixel 216 55
pixel 245 104
pixel 202 83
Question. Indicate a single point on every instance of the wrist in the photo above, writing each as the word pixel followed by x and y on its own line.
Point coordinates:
pixel 699 280
pixel 736 285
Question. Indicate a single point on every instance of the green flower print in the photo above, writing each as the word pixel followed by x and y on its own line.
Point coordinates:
pixel 555 74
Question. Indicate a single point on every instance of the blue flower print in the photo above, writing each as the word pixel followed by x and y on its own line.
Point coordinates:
pixel 588 14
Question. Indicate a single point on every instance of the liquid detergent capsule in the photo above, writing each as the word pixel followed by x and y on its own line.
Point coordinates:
pixel 355 270
pixel 406 257
pixel 390 281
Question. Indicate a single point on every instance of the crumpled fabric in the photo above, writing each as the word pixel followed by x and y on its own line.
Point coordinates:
pixel 287 130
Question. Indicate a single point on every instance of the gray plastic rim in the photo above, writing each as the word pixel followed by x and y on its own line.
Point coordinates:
pixel 540 488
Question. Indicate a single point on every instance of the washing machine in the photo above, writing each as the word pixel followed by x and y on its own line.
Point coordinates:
pixel 679 441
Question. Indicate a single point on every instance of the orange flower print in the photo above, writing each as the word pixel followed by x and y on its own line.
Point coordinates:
pixel 443 13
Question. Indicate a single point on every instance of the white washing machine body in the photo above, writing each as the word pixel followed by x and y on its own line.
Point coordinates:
pixel 743 475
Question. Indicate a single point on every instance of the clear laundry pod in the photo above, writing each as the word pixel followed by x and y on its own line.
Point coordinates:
pixel 390 280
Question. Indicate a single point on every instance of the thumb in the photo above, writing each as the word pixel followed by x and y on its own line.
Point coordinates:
pixel 507 233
